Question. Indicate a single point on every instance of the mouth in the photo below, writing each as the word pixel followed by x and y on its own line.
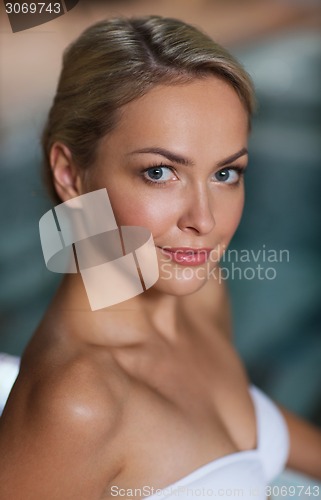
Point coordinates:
pixel 187 256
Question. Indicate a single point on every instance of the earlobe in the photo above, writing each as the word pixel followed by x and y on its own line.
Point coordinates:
pixel 65 173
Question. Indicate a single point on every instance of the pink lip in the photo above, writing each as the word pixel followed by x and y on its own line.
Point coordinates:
pixel 186 256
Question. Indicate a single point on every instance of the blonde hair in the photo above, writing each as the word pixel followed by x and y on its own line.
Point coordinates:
pixel 118 60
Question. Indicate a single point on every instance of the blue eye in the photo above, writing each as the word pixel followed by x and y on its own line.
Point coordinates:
pixel 229 175
pixel 158 174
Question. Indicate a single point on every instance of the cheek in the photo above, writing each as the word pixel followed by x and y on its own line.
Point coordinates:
pixel 135 209
pixel 228 214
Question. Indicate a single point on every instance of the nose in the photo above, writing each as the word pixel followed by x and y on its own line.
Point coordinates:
pixel 197 214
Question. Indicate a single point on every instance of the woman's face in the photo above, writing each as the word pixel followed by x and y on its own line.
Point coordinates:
pixel 174 165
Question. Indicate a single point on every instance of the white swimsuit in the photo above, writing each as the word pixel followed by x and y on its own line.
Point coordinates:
pixel 244 474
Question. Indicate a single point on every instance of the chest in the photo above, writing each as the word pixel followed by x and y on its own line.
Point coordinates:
pixel 192 407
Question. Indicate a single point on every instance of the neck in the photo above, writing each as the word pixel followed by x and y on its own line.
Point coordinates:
pixel 152 312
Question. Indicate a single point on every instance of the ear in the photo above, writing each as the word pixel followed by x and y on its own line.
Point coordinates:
pixel 66 176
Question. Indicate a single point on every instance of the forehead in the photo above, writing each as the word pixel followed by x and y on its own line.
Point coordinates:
pixel 202 113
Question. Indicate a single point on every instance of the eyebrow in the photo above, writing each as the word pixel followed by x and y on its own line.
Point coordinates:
pixel 234 157
pixel 181 160
pixel 167 154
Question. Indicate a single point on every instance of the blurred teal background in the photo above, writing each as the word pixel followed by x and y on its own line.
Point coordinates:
pixel 278 322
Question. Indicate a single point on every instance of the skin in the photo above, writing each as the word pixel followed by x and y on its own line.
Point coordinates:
pixel 146 391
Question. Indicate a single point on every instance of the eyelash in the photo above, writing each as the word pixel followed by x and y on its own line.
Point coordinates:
pixel 240 171
pixel 154 183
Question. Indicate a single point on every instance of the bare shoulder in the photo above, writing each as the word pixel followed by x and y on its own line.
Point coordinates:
pixel 59 429
pixel 87 381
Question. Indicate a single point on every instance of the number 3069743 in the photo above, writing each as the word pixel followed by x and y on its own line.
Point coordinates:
pixel 33 8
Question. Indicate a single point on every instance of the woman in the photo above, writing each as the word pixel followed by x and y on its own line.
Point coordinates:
pixel 148 398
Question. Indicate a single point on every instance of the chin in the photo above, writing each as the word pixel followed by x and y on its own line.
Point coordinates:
pixel 181 280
